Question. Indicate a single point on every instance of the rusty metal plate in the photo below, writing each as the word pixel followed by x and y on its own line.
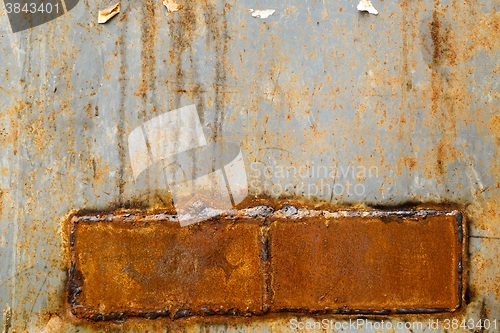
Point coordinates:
pixel 380 263
pixel 260 260
pixel 148 266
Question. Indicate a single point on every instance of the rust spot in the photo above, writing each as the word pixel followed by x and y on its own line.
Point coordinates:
pixel 409 162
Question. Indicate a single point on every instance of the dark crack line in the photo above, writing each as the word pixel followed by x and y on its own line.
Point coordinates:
pixel 484 237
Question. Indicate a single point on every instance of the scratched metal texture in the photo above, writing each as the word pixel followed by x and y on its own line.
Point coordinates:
pixel 412 92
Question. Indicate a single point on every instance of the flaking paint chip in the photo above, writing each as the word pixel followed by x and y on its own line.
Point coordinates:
pixel 106 14
pixel 262 13
pixel 366 6
pixel 172 6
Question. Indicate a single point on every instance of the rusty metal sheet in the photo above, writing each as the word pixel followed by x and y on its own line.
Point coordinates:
pixel 253 262
pixel 412 93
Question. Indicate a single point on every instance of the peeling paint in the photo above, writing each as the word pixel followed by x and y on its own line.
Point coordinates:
pixel 264 13
pixel 366 6
pixel 106 14
pixel 172 6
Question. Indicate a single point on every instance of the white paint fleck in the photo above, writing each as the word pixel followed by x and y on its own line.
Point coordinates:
pixel 366 6
pixel 262 13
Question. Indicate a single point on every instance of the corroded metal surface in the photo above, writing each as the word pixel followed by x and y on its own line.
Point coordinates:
pixel 411 93
pixel 254 261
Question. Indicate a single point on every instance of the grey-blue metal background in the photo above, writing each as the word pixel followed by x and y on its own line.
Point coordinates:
pixel 411 94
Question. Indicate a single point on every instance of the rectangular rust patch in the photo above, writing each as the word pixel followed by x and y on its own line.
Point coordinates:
pixel 382 263
pixel 149 266
pixel 263 260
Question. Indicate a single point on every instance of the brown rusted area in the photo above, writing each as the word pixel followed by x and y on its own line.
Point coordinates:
pixel 148 56
pixel 149 266
pixel 374 264
pixel 265 259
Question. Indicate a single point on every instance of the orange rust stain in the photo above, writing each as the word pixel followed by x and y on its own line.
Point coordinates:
pixel 485 215
pixel 494 127
pixel 484 35
pixel 148 56
pixel 13 114
pixel 410 162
